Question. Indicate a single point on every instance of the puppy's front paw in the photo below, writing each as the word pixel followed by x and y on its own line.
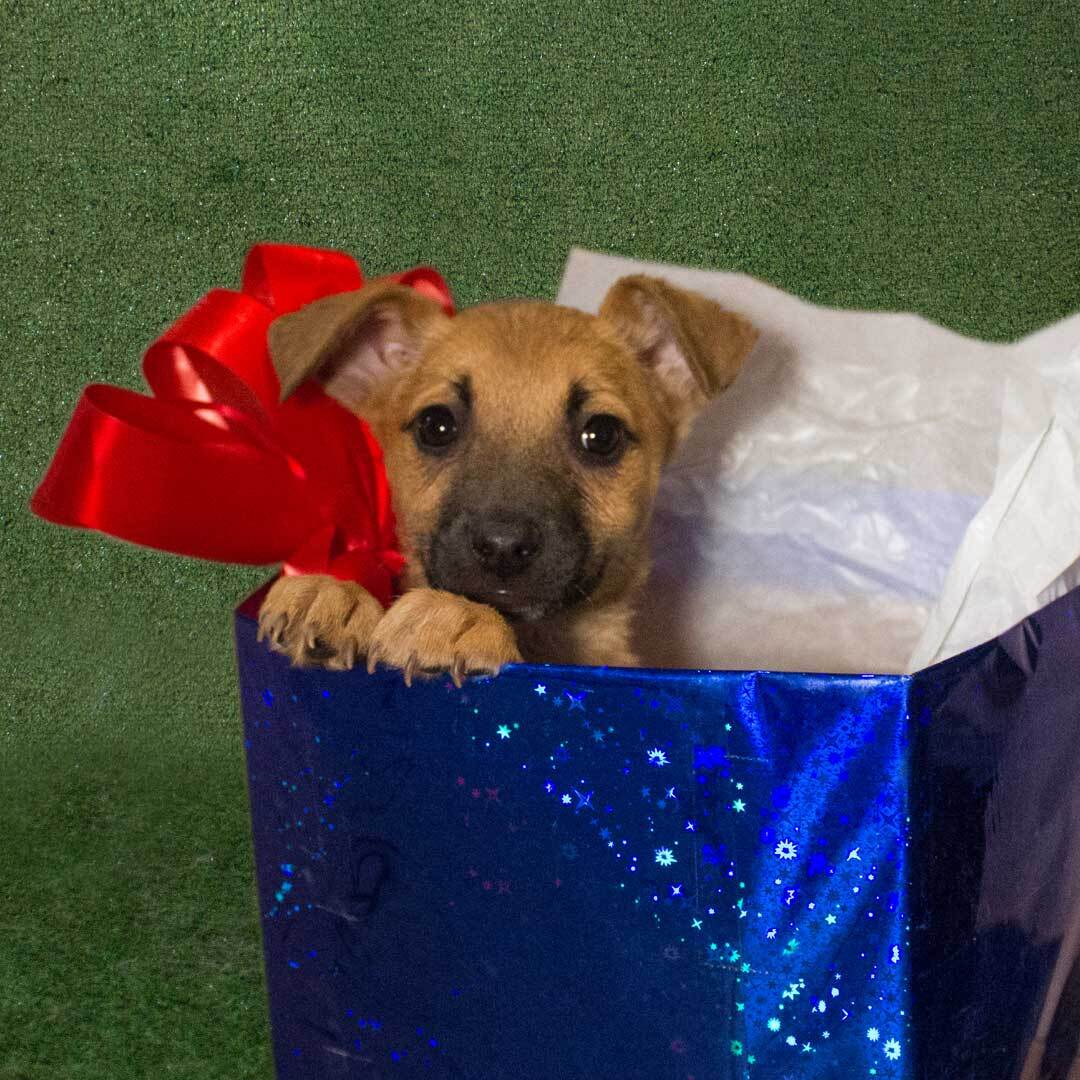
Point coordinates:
pixel 317 620
pixel 428 631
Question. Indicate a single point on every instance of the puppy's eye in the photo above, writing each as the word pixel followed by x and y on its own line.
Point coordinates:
pixel 435 428
pixel 603 437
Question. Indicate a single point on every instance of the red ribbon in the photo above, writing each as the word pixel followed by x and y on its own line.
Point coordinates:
pixel 213 465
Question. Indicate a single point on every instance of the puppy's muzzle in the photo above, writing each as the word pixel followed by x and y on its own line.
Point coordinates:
pixel 526 565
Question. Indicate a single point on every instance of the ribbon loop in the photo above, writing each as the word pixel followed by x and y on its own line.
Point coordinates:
pixel 285 277
pixel 213 465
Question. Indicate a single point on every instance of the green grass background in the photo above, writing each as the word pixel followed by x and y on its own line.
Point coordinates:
pixel 918 155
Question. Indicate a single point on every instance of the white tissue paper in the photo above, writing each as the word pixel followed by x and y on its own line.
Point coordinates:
pixel 874 493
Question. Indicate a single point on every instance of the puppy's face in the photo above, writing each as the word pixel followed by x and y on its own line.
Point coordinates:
pixel 523 449
pixel 523 441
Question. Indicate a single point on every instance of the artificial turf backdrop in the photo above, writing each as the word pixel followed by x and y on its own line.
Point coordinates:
pixel 920 156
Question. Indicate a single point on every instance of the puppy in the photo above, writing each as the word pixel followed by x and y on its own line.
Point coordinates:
pixel 523 443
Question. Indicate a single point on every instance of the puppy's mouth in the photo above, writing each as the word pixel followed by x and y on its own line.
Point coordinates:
pixel 510 604
pixel 518 607
pixel 549 588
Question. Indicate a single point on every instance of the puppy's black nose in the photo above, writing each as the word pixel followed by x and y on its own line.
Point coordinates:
pixel 505 545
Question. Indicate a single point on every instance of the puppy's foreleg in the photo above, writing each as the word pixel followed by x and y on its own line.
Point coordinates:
pixel 315 620
pixel 428 631
pixel 318 620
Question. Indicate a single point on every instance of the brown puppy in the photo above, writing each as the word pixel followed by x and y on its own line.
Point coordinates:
pixel 523 444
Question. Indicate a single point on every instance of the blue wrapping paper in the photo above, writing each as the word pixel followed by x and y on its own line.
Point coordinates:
pixel 599 873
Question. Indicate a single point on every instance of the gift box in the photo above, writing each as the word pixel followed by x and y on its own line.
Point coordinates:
pixel 575 872
pixel 683 870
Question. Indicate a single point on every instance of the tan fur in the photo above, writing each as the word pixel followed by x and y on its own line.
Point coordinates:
pixel 429 631
pixel 317 619
pixel 652 358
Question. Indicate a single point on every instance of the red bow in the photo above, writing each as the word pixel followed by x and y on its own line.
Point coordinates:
pixel 213 465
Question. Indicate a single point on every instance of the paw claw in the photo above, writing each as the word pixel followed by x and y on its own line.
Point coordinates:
pixel 457 671
pixel 271 628
pixel 319 651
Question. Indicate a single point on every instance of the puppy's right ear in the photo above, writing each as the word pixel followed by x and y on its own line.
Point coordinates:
pixel 350 342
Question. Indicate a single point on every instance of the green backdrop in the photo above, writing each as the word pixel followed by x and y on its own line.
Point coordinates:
pixel 915 156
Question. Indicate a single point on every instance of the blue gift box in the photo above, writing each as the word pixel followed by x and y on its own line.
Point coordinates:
pixel 672 875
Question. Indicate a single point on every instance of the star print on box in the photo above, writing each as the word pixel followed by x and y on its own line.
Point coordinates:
pixel 582 873
pixel 500 880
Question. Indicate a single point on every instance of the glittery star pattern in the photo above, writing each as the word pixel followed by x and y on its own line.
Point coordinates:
pixel 459 865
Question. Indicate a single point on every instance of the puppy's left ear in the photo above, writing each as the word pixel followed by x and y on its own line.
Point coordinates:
pixel 690 342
